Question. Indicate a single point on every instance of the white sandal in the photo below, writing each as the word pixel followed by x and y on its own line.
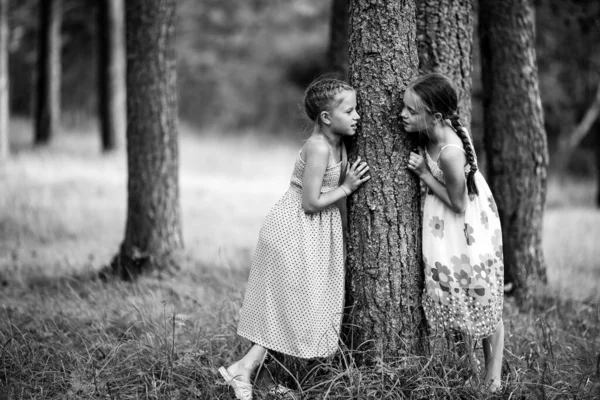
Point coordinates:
pixel 242 390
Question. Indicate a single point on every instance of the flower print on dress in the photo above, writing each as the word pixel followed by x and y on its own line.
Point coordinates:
pixel 437 227
pixel 469 234
pixel 462 278
pixel 443 276
pixel 481 272
pixel 462 263
pixel 485 221
pixel 497 243
pixel 493 206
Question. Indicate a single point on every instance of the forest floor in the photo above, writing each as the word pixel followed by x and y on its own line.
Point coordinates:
pixel 64 335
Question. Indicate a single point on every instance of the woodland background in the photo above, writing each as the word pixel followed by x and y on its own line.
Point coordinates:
pixel 242 67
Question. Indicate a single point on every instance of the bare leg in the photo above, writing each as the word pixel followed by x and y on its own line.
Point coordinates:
pixel 242 370
pixel 493 348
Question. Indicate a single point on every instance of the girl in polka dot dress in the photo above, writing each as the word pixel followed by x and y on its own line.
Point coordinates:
pixel 462 240
pixel 295 292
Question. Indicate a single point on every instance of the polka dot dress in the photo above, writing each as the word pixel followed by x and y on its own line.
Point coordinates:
pixel 464 269
pixel 295 293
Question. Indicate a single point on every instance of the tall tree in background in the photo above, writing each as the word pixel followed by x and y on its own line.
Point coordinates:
pixel 515 139
pixel 445 40
pixel 337 54
pixel 4 110
pixel 385 275
pixel 111 72
pixel 153 239
pixel 47 111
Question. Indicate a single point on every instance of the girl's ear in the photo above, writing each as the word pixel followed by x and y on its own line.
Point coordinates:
pixel 324 116
pixel 437 117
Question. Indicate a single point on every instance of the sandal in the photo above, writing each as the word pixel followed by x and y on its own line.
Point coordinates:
pixel 242 390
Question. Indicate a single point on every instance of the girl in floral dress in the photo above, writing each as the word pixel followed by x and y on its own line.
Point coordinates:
pixel 295 292
pixel 462 239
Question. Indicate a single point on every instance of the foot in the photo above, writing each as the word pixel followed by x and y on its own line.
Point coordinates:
pixel 242 390
pixel 239 373
pixel 492 385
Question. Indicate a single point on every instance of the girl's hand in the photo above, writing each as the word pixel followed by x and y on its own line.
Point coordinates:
pixel 416 164
pixel 355 175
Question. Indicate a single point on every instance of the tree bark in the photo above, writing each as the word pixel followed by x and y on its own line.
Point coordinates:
pixel 515 139
pixel 4 92
pixel 111 69
pixel 338 38
pixel 385 275
pixel 445 40
pixel 153 239
pixel 47 114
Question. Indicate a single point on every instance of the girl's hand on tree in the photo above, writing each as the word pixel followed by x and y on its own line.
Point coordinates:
pixel 416 164
pixel 355 175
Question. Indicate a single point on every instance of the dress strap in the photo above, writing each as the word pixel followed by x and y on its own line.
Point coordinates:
pixel 455 145
pixel 344 163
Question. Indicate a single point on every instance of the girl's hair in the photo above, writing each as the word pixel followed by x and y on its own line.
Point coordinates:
pixel 438 95
pixel 319 95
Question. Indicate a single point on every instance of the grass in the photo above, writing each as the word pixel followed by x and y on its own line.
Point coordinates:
pixel 64 335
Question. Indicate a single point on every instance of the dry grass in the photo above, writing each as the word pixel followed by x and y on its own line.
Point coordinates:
pixel 64 335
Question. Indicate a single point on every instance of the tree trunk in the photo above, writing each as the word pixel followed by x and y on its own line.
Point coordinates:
pixel 445 40
pixel 515 139
pixel 111 71
pixel 385 275
pixel 47 114
pixel 338 39
pixel 4 93
pixel 153 239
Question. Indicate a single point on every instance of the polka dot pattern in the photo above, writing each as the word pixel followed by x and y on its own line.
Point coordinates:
pixel 295 292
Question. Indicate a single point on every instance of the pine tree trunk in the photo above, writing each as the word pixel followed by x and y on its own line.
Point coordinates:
pixel 111 69
pixel 153 239
pixel 338 38
pixel 515 139
pixel 445 40
pixel 4 92
pixel 47 114
pixel 385 274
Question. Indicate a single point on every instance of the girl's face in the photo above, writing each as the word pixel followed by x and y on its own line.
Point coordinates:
pixel 415 118
pixel 343 117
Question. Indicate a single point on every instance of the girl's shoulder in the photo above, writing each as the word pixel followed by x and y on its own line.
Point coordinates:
pixel 452 156
pixel 315 146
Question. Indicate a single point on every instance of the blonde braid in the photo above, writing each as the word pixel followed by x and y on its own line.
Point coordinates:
pixel 470 152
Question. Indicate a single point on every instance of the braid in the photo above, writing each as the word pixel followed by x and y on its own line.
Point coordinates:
pixel 469 150
pixel 319 95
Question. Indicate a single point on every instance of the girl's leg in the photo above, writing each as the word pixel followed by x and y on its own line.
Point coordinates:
pixel 493 349
pixel 242 369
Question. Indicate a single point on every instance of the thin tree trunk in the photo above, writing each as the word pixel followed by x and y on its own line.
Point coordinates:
pixel 338 38
pixel 568 142
pixel 4 92
pixel 445 40
pixel 111 68
pixel 597 148
pixel 47 114
pixel 515 139
pixel 385 274
pixel 153 239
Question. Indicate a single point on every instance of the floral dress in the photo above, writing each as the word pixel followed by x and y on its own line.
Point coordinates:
pixel 462 255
